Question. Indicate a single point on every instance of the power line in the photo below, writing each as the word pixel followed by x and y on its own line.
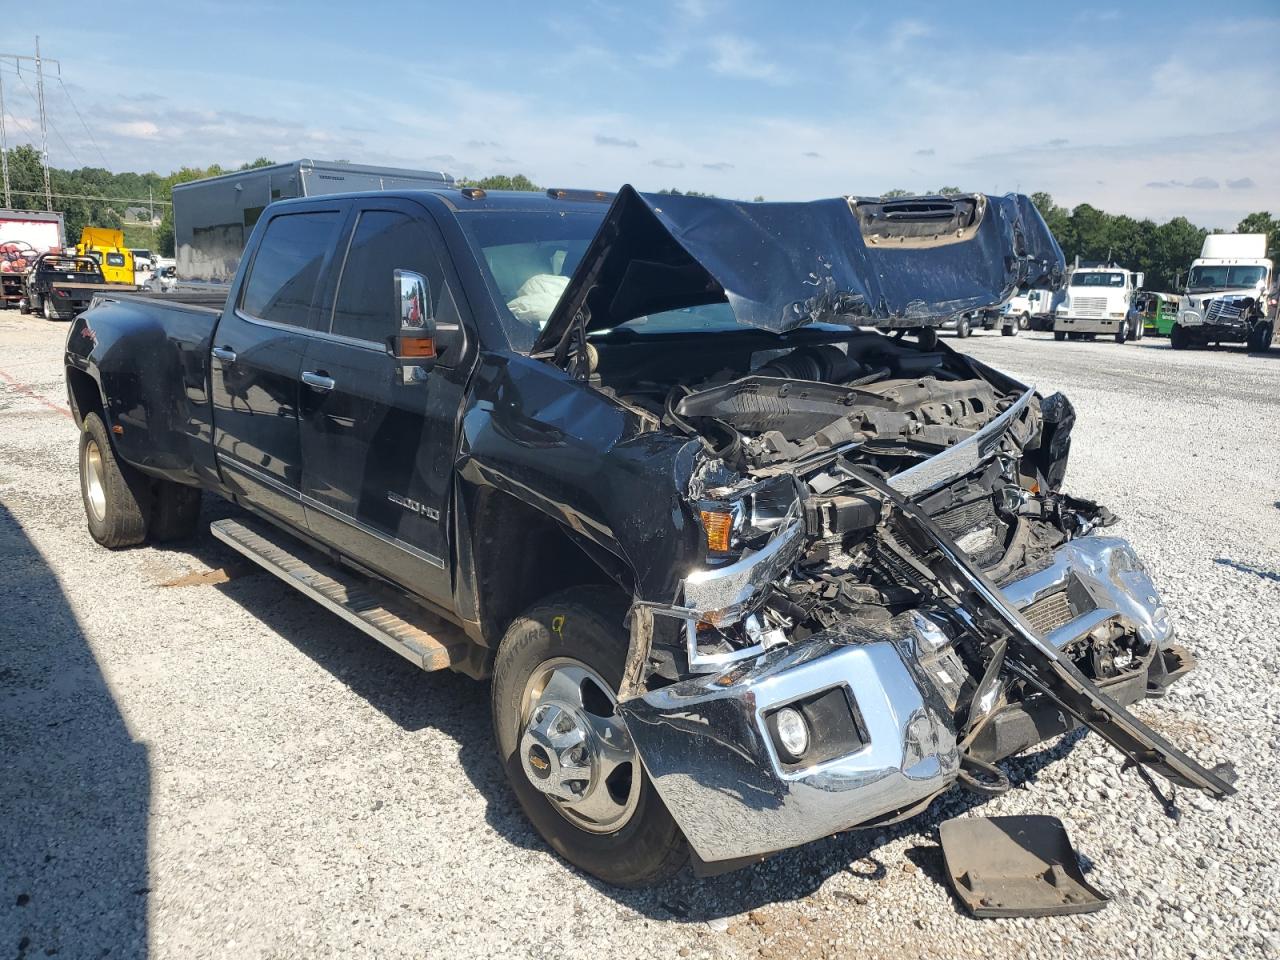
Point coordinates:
pixel 86 196
pixel 92 139
pixel 39 61
pixel 56 131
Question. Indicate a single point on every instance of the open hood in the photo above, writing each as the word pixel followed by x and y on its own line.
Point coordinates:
pixel 908 262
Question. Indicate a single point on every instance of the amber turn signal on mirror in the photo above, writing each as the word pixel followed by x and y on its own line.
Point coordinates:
pixel 415 347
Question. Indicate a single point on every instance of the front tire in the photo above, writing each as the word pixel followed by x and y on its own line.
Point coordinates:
pixel 963 328
pixel 549 682
pixel 1179 339
pixel 1059 335
pixel 24 306
pixel 116 497
pixel 1261 336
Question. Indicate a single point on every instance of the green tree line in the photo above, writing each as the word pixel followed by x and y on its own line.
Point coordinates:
pixel 92 196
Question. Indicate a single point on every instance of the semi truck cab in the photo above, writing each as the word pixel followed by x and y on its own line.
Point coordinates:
pixel 1099 300
pixel 1231 294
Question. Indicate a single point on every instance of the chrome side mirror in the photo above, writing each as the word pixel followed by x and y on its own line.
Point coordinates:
pixel 415 344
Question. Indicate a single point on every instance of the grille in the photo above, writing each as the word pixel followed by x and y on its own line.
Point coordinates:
pixel 1049 613
pixel 1089 306
pixel 1221 310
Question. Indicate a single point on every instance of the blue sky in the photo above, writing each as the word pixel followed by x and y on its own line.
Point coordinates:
pixel 1152 109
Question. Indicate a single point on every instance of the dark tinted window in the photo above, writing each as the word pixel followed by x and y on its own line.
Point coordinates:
pixel 384 241
pixel 283 277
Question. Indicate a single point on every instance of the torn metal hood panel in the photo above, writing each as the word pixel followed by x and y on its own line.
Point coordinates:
pixel 908 262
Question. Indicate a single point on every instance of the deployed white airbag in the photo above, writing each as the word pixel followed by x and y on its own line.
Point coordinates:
pixel 537 297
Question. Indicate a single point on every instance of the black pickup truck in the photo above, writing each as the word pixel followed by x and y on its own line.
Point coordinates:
pixel 60 286
pixel 749 556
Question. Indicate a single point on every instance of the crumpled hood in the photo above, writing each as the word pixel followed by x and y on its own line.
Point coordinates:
pixel 909 262
pixel 1201 301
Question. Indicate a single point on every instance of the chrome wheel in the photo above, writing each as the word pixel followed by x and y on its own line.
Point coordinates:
pixel 95 481
pixel 576 749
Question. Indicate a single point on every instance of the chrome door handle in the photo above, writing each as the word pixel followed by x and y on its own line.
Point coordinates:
pixel 318 380
pixel 225 354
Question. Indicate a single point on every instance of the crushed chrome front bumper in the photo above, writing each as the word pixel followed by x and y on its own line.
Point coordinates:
pixel 705 744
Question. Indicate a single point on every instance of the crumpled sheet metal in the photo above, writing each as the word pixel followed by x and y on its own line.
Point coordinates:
pixel 783 265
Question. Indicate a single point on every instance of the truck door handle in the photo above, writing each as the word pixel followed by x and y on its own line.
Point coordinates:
pixel 318 380
pixel 225 354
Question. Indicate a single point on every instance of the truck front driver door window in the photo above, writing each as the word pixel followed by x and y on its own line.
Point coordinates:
pixel 377 446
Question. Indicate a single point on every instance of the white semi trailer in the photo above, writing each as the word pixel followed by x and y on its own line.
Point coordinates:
pixel 1231 294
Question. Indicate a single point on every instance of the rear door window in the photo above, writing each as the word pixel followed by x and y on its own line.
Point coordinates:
pixel 282 280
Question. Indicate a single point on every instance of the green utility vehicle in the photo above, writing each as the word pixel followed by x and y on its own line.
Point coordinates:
pixel 1159 312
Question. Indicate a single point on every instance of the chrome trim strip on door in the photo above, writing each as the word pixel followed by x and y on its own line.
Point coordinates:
pixel 265 478
pixel 346 518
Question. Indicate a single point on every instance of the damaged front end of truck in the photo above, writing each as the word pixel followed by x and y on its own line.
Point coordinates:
pixel 894 592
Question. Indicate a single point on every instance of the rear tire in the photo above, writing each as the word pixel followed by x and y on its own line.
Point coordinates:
pixel 116 496
pixel 50 312
pixel 175 511
pixel 582 625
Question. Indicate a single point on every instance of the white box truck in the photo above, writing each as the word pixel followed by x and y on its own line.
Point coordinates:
pixel 1099 300
pixel 24 235
pixel 1231 294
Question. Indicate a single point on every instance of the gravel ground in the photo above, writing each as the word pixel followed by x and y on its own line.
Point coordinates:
pixel 199 762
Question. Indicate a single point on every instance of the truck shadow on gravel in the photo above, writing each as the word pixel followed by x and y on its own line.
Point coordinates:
pixel 75 791
pixel 459 707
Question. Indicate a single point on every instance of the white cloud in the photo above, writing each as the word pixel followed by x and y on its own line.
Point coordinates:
pixel 141 129
pixel 734 56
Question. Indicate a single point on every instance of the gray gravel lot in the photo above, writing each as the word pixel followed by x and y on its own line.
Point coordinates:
pixel 195 768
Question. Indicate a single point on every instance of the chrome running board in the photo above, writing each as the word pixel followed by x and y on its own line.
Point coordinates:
pixel 422 638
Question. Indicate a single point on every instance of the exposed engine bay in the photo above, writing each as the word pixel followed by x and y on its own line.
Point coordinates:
pixel 779 442
pixel 877 487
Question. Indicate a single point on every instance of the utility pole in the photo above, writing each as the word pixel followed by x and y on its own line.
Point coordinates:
pixel 4 148
pixel 44 126
pixel 44 118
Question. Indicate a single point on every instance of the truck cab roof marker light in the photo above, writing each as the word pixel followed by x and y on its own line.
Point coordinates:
pixel 599 196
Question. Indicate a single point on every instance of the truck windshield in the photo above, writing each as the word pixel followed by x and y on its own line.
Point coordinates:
pixel 1224 277
pixel 1096 278
pixel 528 256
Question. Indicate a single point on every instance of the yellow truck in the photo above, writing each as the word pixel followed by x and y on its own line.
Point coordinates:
pixel 106 245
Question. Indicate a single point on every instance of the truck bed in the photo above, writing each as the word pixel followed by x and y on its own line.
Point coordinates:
pixel 213 301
